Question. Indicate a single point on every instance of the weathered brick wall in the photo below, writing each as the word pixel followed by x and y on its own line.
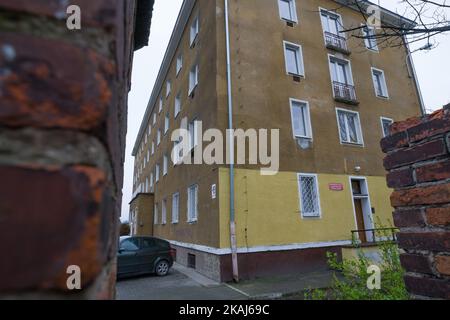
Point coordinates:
pixel 63 104
pixel 418 161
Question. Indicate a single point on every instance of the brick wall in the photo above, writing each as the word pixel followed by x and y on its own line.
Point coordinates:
pixel 418 162
pixel 63 98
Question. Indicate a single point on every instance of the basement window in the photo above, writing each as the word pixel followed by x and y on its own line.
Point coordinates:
pixel 191 260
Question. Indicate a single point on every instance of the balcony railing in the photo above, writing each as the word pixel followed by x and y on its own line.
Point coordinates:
pixel 344 92
pixel 374 236
pixel 336 42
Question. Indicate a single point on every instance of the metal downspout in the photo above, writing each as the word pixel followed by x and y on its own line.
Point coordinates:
pixel 231 151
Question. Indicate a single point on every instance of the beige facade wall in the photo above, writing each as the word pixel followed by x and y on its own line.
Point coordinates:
pixel 261 91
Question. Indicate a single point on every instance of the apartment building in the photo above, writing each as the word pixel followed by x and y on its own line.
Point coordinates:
pixel 331 96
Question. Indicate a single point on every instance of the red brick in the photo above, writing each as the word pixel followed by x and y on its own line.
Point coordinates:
pixel 443 265
pixel 405 125
pixel 438 216
pixel 433 172
pixel 94 13
pixel 400 178
pixel 433 241
pixel 416 263
pixel 56 216
pixel 429 287
pixel 395 141
pixel 409 218
pixel 436 194
pixel 417 153
pixel 438 125
pixel 53 84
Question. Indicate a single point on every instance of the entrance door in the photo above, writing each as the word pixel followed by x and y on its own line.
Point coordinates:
pixel 362 207
pixel 360 219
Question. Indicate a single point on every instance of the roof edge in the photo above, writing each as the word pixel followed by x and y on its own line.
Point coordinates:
pixel 182 20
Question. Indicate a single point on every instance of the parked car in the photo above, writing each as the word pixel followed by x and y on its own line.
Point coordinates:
pixel 144 255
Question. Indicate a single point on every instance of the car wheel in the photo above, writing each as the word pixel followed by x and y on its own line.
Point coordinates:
pixel 162 268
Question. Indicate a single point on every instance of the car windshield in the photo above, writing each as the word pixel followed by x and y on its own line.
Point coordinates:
pixel 129 245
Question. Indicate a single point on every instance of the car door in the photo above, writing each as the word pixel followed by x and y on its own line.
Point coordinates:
pixel 128 257
pixel 148 254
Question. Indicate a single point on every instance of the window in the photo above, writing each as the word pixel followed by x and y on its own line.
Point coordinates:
pixel 193 79
pixel 158 138
pixel 155 214
pixel 168 88
pixel 349 127
pixel 177 105
pixel 176 152
pixel 166 123
pixel 385 124
pixel 153 147
pixel 164 212
pixel 160 107
pixel 340 71
pixel 331 22
pixel 194 31
pixel 157 173
pixel 379 83
pixel 193 134
pixel 154 118
pixel 301 123
pixel 370 39
pixel 287 10
pixel 151 182
pixel 309 195
pixel 192 203
pixel 165 164
pixel 130 245
pixel 294 59
pixel 342 80
pixel 179 63
pixel 175 207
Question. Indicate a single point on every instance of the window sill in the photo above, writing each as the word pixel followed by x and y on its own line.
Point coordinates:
pixel 192 222
pixel 350 144
pixel 383 97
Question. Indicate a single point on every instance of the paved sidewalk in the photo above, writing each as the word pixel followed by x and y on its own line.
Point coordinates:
pixel 186 284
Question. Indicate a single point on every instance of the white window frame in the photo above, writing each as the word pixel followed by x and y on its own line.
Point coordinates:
pixel 175 208
pixel 160 108
pixel 157 173
pixel 179 64
pixel 367 42
pixel 158 137
pixel 165 165
pixel 194 30
pixel 292 8
pixel 164 212
pixel 382 119
pixel 168 88
pixel 151 181
pixel 192 216
pixel 309 134
pixel 166 123
pixel 154 118
pixel 155 216
pixel 153 147
pixel 299 56
pixel 304 215
pixel 331 12
pixel 193 79
pixel 359 132
pixel 177 105
pixel 193 134
pixel 347 63
pixel 383 84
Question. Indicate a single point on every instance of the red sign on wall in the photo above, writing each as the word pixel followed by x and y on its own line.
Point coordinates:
pixel 336 186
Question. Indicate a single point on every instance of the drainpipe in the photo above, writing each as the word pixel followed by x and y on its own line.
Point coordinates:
pixel 410 63
pixel 231 148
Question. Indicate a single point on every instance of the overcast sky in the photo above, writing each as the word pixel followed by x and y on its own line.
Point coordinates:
pixel 433 70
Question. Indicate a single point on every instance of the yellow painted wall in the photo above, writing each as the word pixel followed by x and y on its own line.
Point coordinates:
pixel 268 209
